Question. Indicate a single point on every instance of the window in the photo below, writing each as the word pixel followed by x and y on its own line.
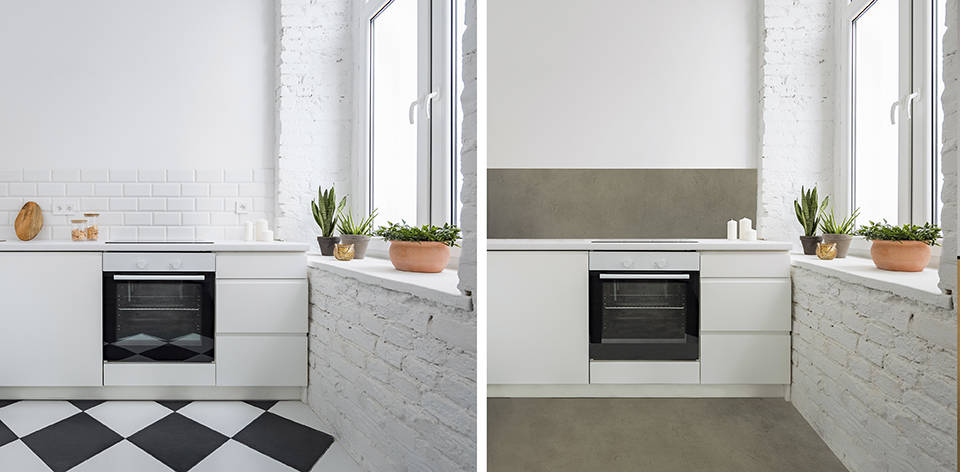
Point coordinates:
pixel 408 159
pixel 890 137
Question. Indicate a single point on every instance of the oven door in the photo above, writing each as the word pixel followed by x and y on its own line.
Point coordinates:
pixel 644 315
pixel 158 317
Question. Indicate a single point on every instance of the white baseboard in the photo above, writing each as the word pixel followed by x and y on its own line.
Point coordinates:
pixel 151 393
pixel 639 391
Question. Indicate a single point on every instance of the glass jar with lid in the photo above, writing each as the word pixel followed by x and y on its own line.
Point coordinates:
pixel 78 230
pixel 92 230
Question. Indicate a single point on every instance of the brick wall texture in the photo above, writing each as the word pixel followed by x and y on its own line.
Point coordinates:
pixel 468 156
pixel 393 375
pixel 875 375
pixel 951 126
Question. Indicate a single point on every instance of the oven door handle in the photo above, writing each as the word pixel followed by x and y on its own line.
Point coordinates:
pixel 645 276
pixel 168 278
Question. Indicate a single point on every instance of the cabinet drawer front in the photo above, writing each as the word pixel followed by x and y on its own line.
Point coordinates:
pixel 744 264
pixel 243 265
pixel 262 306
pixel 261 361
pixel 745 304
pixel 640 372
pixel 644 261
pixel 729 358
pixel 132 374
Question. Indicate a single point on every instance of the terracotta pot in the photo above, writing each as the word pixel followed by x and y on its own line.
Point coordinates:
pixel 419 256
pixel 904 256
pixel 326 244
pixel 360 244
pixel 809 244
pixel 842 241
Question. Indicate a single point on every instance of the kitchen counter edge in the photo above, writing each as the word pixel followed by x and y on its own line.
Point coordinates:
pixel 99 246
pixel 592 245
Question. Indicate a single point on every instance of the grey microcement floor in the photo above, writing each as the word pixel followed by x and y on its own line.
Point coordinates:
pixel 652 434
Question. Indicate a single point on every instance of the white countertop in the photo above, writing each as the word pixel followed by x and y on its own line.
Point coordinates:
pixel 102 246
pixel 634 245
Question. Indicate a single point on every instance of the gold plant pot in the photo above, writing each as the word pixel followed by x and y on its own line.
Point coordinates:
pixel 343 252
pixel 826 251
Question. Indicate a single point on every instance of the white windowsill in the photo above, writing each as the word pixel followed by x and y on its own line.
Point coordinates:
pixel 919 286
pixel 440 288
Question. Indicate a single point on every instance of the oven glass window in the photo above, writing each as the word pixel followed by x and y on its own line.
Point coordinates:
pixel 644 311
pixel 159 321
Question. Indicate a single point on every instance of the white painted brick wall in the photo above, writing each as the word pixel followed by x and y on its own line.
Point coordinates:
pixel 140 204
pixel 797 110
pixel 314 109
pixel 951 127
pixel 468 155
pixel 875 375
pixel 393 375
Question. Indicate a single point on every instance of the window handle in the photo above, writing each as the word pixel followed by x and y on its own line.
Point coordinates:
pixel 413 110
pixel 893 112
pixel 910 98
pixel 426 101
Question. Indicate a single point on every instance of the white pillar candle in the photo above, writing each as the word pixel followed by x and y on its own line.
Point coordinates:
pixel 248 234
pixel 732 230
pixel 745 224
pixel 261 228
pixel 265 236
pixel 751 235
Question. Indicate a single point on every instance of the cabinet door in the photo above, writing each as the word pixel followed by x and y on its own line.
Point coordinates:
pixel 745 304
pixel 755 358
pixel 51 313
pixel 261 306
pixel 537 318
pixel 261 361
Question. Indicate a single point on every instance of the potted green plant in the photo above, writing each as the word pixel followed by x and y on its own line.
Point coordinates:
pixel 839 230
pixel 808 214
pixel 356 231
pixel 419 249
pixel 326 212
pixel 903 248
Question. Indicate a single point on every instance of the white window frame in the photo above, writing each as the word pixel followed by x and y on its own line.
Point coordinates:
pixel 437 147
pixel 917 187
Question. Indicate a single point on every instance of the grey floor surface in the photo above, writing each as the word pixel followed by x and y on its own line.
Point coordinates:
pixel 652 434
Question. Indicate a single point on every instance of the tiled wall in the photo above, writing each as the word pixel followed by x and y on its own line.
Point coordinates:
pixel 140 204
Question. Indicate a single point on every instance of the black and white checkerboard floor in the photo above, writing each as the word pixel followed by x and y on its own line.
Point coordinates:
pixel 153 436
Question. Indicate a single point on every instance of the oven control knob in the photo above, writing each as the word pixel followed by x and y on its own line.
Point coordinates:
pixel 627 263
pixel 176 264
pixel 660 264
pixel 141 263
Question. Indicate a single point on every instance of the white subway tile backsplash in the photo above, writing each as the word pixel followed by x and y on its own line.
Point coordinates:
pixel 95 175
pixel 123 175
pixel 238 175
pixel 152 204
pixel 180 175
pixel 195 190
pixel 80 190
pixel 137 219
pixel 51 189
pixel 136 190
pixel 23 189
pixel 166 219
pixel 180 204
pixel 223 190
pixel 65 175
pixel 151 175
pixel 123 204
pixel 36 175
pixel 209 175
pixel 140 204
pixel 108 190
pixel 166 190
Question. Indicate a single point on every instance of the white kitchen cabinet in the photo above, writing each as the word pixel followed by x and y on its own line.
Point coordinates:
pixel 261 361
pixel 644 372
pixel 752 304
pixel 261 306
pixel 537 317
pixel 744 264
pixel 159 374
pixel 745 358
pixel 261 265
pixel 51 312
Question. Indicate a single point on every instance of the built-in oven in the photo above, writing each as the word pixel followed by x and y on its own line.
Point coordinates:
pixel 158 307
pixel 645 305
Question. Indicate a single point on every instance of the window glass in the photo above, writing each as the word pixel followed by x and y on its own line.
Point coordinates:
pixel 393 85
pixel 875 87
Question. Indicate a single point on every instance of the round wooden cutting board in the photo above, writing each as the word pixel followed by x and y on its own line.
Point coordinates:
pixel 29 222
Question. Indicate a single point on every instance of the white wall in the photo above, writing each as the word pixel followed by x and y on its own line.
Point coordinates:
pixel 137 83
pixel 623 83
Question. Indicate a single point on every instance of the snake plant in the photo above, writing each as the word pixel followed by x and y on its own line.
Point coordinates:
pixel 326 210
pixel 833 225
pixel 809 210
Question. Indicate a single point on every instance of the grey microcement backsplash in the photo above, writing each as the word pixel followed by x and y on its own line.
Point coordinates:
pixel 618 203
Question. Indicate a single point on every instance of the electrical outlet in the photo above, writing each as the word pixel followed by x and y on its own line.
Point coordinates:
pixel 65 207
pixel 244 205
